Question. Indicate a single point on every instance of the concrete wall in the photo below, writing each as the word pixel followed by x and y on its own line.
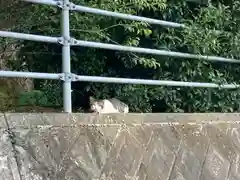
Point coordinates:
pixel 119 147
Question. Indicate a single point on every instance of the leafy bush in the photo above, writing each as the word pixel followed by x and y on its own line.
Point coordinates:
pixel 34 97
pixel 212 30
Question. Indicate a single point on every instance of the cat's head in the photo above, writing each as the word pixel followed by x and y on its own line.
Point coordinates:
pixel 95 106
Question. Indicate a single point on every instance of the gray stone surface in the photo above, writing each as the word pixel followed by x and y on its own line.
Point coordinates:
pixel 119 147
pixel 8 163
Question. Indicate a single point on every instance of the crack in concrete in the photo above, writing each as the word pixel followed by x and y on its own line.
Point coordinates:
pixel 12 139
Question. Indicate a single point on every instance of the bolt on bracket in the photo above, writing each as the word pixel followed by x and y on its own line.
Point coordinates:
pixel 63 41
pixel 67 6
pixel 74 41
pixel 60 3
pixel 68 77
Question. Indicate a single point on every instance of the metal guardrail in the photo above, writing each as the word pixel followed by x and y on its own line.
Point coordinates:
pixel 67 41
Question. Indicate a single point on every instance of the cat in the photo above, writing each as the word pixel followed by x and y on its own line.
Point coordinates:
pixel 106 106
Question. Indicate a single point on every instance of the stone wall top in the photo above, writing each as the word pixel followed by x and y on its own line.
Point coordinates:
pixel 75 119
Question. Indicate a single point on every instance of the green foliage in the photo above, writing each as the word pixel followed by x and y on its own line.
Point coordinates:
pixel 34 97
pixel 49 95
pixel 3 100
pixel 212 30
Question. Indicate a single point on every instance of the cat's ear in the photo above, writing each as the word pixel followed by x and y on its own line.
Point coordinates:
pixel 91 100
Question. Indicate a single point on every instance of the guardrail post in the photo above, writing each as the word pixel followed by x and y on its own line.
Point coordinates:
pixel 66 64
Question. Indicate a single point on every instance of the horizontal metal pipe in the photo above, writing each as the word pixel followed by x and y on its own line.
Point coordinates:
pixel 116 14
pixel 153 82
pixel 34 75
pixel 30 37
pixel 47 2
pixel 126 16
pixel 152 51
pixel 112 14
pixel 132 17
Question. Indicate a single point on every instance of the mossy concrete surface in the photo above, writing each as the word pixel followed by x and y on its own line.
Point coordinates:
pixel 119 147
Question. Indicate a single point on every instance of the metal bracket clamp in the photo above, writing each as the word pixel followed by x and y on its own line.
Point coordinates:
pixel 74 41
pixel 60 3
pixel 68 77
pixel 70 41
pixel 69 6
pixel 64 41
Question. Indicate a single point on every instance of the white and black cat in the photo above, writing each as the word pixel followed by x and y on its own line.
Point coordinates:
pixel 106 106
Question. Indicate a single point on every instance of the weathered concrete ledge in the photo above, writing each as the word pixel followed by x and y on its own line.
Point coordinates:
pixel 119 146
